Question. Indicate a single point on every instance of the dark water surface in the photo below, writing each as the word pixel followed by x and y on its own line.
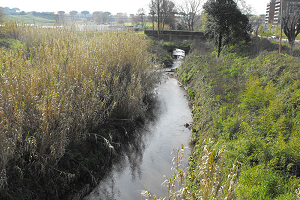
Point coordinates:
pixel 149 165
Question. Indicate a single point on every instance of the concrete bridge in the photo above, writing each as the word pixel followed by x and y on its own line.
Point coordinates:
pixel 171 35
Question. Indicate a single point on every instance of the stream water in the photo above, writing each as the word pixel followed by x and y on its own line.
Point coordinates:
pixel 149 165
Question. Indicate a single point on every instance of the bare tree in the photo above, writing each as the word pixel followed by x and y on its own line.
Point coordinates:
pixel 140 16
pixel 244 7
pixel 190 12
pixel 161 12
pixel 168 13
pixel 256 21
pixel 152 13
pixel 106 16
pixel 121 18
pixel 291 26
pixel 98 17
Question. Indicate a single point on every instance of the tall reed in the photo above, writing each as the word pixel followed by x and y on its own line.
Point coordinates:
pixel 204 181
pixel 64 85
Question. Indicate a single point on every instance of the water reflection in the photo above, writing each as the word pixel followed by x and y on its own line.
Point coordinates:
pixel 147 158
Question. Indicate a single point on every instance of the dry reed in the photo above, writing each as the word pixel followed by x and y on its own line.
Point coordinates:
pixel 208 178
pixel 64 85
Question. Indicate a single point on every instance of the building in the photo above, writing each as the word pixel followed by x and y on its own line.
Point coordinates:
pixel 274 10
pixel 270 12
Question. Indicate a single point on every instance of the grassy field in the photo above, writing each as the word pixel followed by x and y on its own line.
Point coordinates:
pixel 29 19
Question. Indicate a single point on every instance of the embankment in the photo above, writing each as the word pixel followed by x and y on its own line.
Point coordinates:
pixel 246 123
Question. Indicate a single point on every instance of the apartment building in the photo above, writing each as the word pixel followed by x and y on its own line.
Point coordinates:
pixel 274 9
pixel 270 12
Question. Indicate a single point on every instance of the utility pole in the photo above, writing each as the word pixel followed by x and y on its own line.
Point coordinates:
pixel 281 5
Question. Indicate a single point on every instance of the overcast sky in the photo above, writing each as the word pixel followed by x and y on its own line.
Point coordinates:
pixel 113 6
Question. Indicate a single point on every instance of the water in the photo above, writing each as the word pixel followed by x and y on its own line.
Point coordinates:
pixel 148 165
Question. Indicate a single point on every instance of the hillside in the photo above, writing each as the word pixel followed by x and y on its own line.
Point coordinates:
pixel 29 19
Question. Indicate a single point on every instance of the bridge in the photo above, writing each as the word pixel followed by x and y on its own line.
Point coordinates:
pixel 171 35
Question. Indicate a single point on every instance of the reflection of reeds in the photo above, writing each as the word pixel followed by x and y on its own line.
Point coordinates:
pixel 206 181
pixel 65 85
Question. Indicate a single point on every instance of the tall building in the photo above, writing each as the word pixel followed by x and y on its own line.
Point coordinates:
pixel 270 12
pixel 274 9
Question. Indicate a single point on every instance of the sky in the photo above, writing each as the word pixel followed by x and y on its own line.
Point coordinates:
pixel 113 6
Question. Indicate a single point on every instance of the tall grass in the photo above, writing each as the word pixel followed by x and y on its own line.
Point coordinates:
pixel 63 86
pixel 204 179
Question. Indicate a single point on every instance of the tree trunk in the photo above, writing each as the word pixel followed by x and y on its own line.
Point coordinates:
pixel 158 18
pixel 220 45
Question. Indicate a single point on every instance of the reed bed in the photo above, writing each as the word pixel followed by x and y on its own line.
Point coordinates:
pixel 63 86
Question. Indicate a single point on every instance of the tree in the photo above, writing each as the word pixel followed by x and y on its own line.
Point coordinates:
pixel 85 13
pixel 1 14
pixel 162 12
pixel 98 17
pixel 244 7
pixel 256 21
pixel 155 7
pixel 152 16
pixel 277 31
pixel 291 26
pixel 106 16
pixel 168 12
pixel 270 26
pixel 225 23
pixel 140 16
pixel 121 18
pixel 61 15
pixel 261 30
pixel 73 14
pixel 190 12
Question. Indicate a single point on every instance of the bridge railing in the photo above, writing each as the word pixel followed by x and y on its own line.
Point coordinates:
pixel 176 34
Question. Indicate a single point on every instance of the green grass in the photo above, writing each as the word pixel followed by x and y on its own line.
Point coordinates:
pixel 29 19
pixel 247 103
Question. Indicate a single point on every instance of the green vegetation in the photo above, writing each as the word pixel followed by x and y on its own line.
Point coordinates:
pixel 246 124
pixel 29 19
pixel 250 108
pixel 225 23
pixel 67 100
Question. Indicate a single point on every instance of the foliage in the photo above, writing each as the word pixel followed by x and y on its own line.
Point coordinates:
pixel 61 90
pixel 225 23
pixel 1 15
pixel 250 107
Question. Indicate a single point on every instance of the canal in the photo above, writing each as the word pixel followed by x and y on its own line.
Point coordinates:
pixel 150 165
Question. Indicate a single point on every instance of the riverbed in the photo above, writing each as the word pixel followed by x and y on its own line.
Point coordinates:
pixel 148 166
